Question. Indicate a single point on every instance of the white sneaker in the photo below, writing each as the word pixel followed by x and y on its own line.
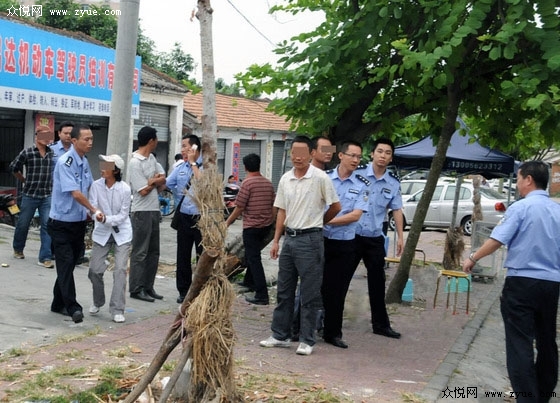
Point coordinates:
pixel 93 310
pixel 272 342
pixel 304 349
pixel 118 318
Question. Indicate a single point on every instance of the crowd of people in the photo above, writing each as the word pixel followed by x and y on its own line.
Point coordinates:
pixel 330 220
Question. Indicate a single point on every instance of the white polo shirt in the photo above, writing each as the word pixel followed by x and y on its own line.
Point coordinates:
pixel 305 199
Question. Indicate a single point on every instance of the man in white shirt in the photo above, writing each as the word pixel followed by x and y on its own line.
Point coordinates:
pixel 304 194
pixel 146 179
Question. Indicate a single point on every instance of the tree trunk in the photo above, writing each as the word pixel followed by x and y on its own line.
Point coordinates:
pixel 397 285
pixel 173 337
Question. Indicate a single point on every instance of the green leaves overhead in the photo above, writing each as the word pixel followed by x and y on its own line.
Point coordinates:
pixel 372 63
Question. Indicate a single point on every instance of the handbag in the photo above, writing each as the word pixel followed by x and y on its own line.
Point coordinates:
pixel 177 215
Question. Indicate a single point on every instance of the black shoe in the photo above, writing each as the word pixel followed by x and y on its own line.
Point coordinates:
pixel 256 301
pixel 387 332
pixel 78 317
pixel 180 299
pixel 336 341
pixel 152 293
pixel 142 295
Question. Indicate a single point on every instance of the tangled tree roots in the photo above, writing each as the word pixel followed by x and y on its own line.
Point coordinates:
pixel 211 330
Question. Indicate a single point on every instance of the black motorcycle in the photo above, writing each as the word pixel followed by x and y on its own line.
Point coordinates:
pixel 9 209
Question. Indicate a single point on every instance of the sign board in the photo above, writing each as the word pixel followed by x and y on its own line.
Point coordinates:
pixel 44 71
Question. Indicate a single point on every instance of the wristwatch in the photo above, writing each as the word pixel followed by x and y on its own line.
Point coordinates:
pixel 194 164
pixel 471 258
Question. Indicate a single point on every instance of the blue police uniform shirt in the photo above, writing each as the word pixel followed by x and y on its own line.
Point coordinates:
pixel 58 150
pixel 381 194
pixel 71 173
pixel 178 180
pixel 350 194
pixel 531 230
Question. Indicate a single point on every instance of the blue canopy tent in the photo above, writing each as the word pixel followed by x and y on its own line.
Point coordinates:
pixel 462 157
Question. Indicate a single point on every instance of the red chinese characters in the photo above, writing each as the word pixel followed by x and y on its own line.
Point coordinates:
pixel 37 60
pixel 61 65
pixel 23 58
pixel 9 55
pixel 82 70
pixel 72 67
pixel 92 67
pixel 49 62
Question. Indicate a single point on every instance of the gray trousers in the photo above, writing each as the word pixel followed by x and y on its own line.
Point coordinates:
pixel 301 256
pixel 144 258
pixel 97 267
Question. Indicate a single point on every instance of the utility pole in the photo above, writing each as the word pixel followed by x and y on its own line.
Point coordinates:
pixel 209 125
pixel 121 101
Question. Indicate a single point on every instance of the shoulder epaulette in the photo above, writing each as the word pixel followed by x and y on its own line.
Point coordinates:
pixel 363 179
pixel 395 175
pixel 361 166
pixel 69 161
pixel 329 171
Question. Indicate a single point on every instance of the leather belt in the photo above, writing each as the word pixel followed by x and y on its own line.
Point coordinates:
pixel 295 232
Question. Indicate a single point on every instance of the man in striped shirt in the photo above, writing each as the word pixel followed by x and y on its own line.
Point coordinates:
pixel 254 201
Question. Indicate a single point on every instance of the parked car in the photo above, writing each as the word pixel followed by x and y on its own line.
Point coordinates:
pixel 411 186
pixel 439 213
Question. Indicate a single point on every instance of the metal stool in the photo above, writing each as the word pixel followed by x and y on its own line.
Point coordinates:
pixel 398 259
pixel 456 275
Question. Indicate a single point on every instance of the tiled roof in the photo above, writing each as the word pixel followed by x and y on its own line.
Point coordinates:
pixel 237 112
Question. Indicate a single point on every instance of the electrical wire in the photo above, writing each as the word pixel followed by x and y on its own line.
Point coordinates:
pixel 250 23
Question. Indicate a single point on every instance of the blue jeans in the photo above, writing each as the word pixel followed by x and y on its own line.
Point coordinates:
pixel 27 210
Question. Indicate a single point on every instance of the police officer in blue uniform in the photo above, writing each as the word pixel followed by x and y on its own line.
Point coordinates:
pixel 67 219
pixel 383 192
pixel 339 234
pixel 188 234
pixel 529 302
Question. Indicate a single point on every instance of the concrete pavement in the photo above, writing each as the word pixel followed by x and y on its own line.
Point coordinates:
pixel 438 350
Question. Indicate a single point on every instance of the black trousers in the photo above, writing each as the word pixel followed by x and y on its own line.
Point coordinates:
pixel 253 241
pixel 337 275
pixel 67 239
pixel 188 235
pixel 372 251
pixel 529 309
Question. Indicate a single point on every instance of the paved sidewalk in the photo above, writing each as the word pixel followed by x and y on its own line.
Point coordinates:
pixel 373 369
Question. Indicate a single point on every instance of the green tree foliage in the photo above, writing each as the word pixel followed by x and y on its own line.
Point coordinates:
pixel 373 63
pixel 93 21
pixel 176 63
pixel 6 4
pixel 228 89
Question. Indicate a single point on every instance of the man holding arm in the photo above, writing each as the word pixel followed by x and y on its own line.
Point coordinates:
pixel 339 237
pixel 67 223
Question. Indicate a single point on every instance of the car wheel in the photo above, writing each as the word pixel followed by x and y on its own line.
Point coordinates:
pixel 467 225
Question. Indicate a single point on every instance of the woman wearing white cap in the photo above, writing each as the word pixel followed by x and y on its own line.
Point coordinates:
pixel 112 196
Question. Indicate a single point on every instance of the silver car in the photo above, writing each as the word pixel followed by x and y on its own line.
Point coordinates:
pixel 439 213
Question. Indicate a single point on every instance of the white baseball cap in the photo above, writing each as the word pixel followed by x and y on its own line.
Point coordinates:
pixel 119 162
